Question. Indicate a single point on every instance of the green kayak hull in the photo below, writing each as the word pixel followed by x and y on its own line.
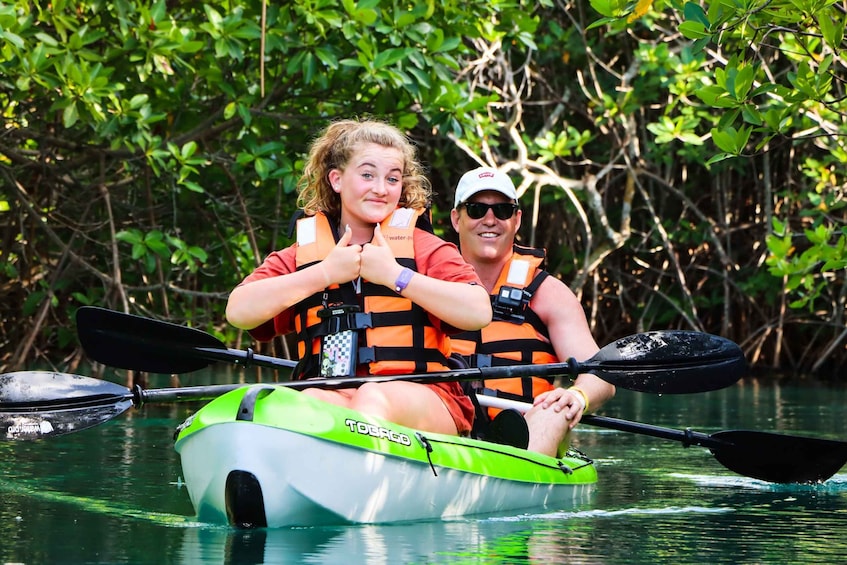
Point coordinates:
pixel 265 456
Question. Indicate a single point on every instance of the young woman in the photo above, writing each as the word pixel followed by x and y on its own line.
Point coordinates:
pixel 365 288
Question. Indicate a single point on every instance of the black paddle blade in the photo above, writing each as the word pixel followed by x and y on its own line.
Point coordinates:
pixel 132 342
pixel 40 404
pixel 779 458
pixel 669 362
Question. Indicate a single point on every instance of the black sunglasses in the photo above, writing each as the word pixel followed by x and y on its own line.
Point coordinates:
pixel 502 210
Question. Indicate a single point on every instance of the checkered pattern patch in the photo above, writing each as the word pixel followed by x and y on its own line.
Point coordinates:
pixel 338 354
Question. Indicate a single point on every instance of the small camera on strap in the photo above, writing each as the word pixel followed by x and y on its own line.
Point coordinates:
pixel 510 303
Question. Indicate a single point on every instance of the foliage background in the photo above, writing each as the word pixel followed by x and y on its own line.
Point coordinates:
pixel 683 163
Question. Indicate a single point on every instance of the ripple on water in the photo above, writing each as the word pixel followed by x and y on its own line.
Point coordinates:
pixel 836 484
pixel 599 513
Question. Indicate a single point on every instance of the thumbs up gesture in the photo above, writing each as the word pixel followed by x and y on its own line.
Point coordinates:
pixel 378 263
pixel 343 264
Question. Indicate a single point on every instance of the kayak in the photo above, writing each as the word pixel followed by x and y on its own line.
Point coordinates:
pixel 266 456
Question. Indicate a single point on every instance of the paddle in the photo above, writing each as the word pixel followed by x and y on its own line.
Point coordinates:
pixel 664 362
pixel 41 404
pixel 767 456
pixel 133 342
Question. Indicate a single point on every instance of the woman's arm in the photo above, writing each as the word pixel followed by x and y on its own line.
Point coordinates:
pixel 257 301
pixel 460 304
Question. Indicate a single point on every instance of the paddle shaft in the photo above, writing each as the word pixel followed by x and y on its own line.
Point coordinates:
pixel 686 437
pixel 102 400
pixel 771 457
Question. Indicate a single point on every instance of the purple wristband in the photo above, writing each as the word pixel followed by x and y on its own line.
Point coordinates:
pixel 403 279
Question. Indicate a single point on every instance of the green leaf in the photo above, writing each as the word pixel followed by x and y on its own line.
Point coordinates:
pixel 82 298
pixel 263 167
pixel 46 39
pixel 198 253
pixel 32 302
pixel 389 57
pixel 327 57
pixel 13 38
pixel 693 12
pixel 188 150
pixel 193 186
pixel 724 140
pixel 132 236
pixel 611 9
pixel 366 16
pixel 714 95
pixel 138 251
pixel 832 31
pixel 70 115
pixel 149 262
pixel 693 30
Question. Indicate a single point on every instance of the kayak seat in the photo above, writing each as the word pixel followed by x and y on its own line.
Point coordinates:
pixel 509 427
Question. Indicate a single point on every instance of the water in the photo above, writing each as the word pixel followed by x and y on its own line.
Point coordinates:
pixel 114 494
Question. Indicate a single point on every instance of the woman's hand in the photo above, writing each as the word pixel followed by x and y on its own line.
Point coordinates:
pixel 378 263
pixel 344 262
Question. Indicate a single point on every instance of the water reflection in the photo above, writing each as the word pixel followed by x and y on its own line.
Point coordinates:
pixel 113 494
pixel 422 542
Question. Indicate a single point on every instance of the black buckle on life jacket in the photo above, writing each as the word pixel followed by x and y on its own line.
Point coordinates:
pixel 510 303
pixel 342 318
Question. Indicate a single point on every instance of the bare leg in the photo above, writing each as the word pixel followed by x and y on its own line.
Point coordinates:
pixel 409 404
pixel 548 430
pixel 341 397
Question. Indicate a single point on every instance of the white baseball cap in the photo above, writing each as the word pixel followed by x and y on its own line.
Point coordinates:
pixel 484 178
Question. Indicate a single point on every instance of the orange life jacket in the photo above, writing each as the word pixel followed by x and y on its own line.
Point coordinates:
pixel 516 335
pixel 399 336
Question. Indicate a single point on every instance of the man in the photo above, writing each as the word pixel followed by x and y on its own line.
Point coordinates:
pixel 537 318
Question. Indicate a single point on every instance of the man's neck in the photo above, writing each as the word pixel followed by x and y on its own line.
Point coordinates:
pixel 489 272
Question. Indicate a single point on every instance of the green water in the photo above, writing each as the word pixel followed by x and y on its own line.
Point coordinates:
pixel 114 494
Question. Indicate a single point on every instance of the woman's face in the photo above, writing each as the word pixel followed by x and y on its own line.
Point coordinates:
pixel 370 185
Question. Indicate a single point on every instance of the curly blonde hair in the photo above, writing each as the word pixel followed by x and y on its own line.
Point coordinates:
pixel 333 150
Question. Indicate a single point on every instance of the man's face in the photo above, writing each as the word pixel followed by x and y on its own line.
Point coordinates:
pixel 487 239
